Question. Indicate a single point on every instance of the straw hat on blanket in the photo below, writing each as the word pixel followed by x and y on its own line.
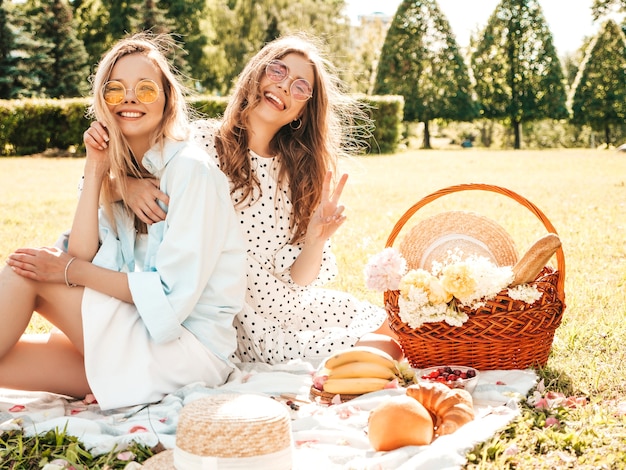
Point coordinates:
pixel 431 240
pixel 229 431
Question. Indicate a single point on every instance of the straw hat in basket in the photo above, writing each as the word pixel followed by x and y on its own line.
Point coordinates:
pixel 431 239
pixel 229 431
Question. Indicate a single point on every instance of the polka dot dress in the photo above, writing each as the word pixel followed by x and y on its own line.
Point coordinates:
pixel 281 320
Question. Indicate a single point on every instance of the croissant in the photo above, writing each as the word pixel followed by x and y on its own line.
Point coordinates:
pixel 450 408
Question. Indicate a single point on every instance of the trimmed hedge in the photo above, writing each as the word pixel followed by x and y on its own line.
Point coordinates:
pixel 32 126
pixel 387 113
pixel 35 125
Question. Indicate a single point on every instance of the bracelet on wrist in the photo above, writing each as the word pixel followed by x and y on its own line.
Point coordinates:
pixel 67 266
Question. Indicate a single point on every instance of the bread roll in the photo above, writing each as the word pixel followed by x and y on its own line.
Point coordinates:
pixel 399 421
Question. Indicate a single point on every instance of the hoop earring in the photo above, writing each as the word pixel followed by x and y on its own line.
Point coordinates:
pixel 298 126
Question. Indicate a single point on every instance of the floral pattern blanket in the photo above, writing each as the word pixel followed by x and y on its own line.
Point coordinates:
pixel 328 437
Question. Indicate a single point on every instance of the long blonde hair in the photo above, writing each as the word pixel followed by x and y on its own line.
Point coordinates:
pixel 174 124
pixel 306 153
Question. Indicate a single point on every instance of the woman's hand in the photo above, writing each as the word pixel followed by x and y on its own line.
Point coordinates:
pixel 96 139
pixel 324 222
pixel 328 216
pixel 97 136
pixel 142 196
pixel 40 264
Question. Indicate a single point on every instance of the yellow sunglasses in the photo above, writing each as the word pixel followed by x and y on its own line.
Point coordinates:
pixel 146 91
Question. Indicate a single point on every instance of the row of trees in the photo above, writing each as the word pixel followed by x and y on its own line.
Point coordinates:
pixel 514 74
pixel 48 47
pixel 510 73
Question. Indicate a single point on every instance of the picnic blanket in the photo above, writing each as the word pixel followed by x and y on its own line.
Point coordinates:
pixel 328 437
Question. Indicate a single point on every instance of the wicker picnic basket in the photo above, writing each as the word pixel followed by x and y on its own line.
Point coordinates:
pixel 504 333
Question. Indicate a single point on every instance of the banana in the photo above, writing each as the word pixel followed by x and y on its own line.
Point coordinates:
pixel 355 386
pixel 361 369
pixel 322 371
pixel 360 354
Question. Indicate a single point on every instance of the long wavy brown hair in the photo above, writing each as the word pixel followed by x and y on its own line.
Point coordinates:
pixel 306 153
pixel 174 124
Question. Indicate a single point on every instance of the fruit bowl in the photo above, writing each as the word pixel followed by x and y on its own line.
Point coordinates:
pixel 453 376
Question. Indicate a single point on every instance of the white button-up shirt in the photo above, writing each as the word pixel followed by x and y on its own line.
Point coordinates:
pixel 194 268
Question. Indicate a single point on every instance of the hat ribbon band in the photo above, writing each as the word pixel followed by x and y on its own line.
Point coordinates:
pixel 452 236
pixel 280 460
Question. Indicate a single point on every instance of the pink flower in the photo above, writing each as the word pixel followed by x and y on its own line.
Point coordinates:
pixel 554 395
pixel 319 380
pixel 511 450
pixel 90 399
pixel 575 402
pixel 345 413
pixel 384 270
pixel 126 456
pixel 551 421
pixel 392 384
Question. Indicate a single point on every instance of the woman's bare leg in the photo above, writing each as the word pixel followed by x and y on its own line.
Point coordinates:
pixel 54 363
pixel 45 362
pixel 17 303
pixel 385 329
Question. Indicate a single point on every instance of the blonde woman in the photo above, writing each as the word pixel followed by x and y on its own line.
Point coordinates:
pixel 140 310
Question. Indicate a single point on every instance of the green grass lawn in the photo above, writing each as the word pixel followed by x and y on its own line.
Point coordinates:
pixel 583 194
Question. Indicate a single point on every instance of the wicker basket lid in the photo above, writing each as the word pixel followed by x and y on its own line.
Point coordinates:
pixel 229 431
pixel 431 239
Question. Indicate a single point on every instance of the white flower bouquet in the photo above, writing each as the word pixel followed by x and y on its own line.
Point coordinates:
pixel 429 297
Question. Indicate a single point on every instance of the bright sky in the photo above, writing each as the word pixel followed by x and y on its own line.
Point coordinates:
pixel 569 20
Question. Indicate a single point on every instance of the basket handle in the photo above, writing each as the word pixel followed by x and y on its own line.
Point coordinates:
pixel 495 189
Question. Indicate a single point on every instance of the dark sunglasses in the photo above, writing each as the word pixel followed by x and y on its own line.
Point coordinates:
pixel 300 89
pixel 146 91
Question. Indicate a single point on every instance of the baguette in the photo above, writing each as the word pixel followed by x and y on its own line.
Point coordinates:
pixel 535 259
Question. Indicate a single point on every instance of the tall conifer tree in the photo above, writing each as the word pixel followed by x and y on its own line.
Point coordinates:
pixel 152 17
pixel 7 60
pixel 92 19
pixel 518 74
pixel 421 61
pixel 599 91
pixel 32 53
pixel 67 73
pixel 189 18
